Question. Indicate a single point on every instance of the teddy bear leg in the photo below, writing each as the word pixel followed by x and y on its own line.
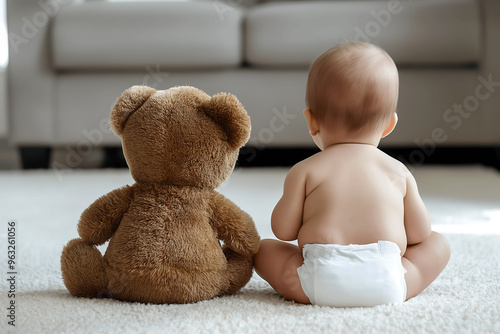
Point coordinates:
pixel 238 271
pixel 83 269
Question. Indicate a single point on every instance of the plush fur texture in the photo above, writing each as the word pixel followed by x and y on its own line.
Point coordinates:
pixel 164 231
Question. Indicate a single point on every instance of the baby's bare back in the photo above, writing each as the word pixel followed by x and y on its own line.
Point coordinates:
pixel 354 195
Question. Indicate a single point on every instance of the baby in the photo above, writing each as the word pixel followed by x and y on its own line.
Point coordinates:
pixel 364 234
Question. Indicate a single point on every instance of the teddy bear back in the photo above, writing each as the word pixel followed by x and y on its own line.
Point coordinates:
pixel 181 135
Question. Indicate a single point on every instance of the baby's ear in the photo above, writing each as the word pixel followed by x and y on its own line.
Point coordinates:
pixel 225 110
pixel 130 101
pixel 391 126
pixel 312 122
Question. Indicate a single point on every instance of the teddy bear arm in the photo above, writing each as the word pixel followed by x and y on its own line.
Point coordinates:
pixel 234 226
pixel 101 219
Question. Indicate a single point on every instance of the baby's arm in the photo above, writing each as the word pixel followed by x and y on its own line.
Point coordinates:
pixel 428 252
pixel 416 218
pixel 286 219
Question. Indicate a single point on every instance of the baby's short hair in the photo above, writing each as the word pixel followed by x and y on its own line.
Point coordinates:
pixel 353 85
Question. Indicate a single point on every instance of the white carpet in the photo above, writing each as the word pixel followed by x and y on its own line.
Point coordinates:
pixel 464 204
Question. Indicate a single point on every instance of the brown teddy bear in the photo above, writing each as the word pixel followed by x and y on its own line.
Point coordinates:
pixel 163 231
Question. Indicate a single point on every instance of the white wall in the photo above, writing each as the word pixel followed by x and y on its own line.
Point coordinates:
pixel 3 104
pixel 3 65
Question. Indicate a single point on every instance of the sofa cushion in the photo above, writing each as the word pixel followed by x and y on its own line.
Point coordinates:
pixel 424 32
pixel 101 35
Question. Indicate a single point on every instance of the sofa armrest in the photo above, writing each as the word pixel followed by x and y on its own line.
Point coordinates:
pixel 30 78
pixel 490 70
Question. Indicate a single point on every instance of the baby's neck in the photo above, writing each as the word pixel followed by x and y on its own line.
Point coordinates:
pixel 372 140
pixel 349 143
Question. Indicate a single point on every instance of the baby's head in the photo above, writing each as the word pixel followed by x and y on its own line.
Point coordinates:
pixel 353 87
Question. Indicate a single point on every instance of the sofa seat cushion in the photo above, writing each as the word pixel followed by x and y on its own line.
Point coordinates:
pixel 423 32
pixel 100 35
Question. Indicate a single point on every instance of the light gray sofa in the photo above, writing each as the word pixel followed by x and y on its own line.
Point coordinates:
pixel 65 73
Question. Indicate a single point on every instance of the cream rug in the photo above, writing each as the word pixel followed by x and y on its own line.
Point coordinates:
pixel 464 204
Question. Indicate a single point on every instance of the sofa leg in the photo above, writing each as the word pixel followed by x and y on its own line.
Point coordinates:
pixel 35 157
pixel 497 158
pixel 113 158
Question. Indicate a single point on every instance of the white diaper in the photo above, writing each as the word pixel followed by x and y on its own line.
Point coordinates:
pixel 353 275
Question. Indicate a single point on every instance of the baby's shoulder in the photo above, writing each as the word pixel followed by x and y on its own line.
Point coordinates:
pixel 393 164
pixel 396 171
pixel 303 171
pixel 309 165
pixel 300 168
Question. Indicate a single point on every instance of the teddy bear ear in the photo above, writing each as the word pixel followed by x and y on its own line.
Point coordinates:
pixel 225 110
pixel 130 101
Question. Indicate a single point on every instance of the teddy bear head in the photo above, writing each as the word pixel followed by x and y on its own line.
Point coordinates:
pixel 181 135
